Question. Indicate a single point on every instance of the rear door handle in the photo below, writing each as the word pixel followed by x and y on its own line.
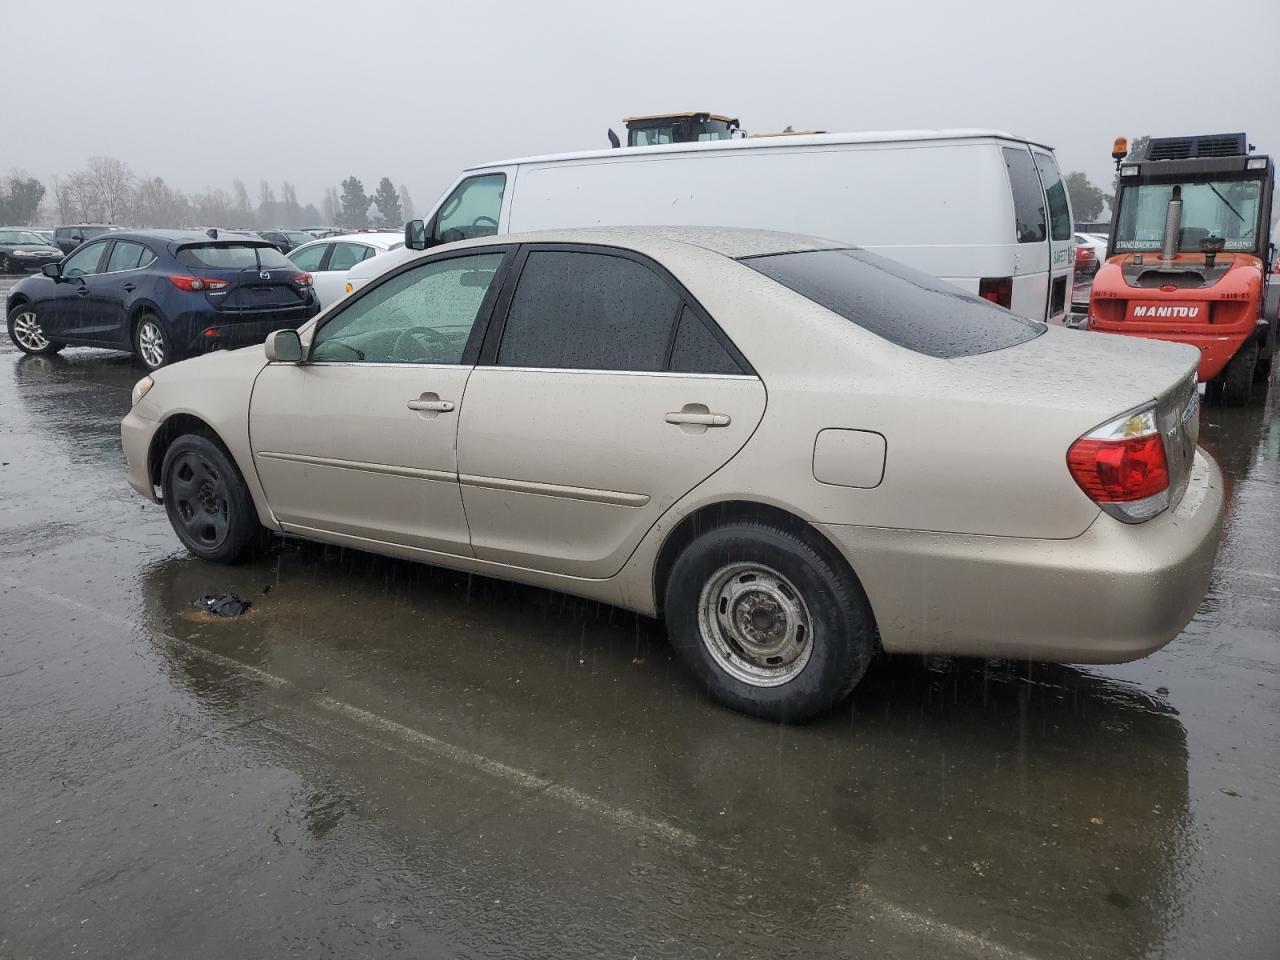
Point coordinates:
pixel 436 406
pixel 129 288
pixel 699 419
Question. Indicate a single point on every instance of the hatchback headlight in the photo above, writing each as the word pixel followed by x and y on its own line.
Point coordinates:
pixel 140 389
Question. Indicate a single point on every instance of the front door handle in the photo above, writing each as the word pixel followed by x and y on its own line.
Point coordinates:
pixel 430 406
pixel 696 418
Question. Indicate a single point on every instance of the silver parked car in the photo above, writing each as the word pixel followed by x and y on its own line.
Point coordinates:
pixel 796 453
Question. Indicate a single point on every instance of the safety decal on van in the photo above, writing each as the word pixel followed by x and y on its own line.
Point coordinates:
pixel 1165 311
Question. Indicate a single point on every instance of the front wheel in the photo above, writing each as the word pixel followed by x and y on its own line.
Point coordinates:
pixel 27 334
pixel 208 504
pixel 767 623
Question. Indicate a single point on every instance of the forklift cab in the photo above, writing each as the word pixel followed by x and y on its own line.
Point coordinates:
pixel 650 131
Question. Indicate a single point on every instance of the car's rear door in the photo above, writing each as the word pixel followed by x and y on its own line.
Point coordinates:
pixel 331 282
pixel 359 443
pixel 110 292
pixel 606 396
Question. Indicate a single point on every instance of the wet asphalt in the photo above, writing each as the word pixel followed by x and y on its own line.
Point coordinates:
pixel 384 758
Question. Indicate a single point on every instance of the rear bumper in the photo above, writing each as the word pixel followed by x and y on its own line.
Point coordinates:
pixel 1115 593
pixel 208 331
pixel 1216 345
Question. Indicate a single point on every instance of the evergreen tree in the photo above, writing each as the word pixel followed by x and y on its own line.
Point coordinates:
pixel 388 203
pixel 355 204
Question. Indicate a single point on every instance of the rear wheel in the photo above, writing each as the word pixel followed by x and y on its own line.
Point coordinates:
pixel 1237 376
pixel 27 334
pixel 152 344
pixel 767 623
pixel 207 501
pixel 6 265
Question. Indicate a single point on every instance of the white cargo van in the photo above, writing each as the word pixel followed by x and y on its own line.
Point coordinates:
pixel 985 210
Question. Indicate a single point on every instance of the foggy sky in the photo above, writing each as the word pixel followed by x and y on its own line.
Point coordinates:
pixel 203 92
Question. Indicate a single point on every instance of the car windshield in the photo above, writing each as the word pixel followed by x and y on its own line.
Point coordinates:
pixel 21 236
pixel 1219 208
pixel 233 256
pixel 904 306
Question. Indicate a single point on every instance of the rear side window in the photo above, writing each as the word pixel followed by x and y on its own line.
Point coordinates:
pixel 232 256
pixel 347 255
pixel 904 306
pixel 128 256
pixel 696 349
pixel 1028 197
pixel 1059 212
pixel 588 311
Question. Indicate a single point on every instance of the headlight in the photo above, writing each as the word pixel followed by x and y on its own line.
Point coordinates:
pixel 140 389
pixel 26 253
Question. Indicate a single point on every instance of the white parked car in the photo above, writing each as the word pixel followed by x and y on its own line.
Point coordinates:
pixel 1096 243
pixel 328 260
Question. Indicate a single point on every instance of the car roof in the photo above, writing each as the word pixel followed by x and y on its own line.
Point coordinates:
pixel 733 242
pixel 771 143
pixel 385 239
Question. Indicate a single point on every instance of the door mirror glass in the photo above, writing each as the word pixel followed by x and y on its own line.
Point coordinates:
pixel 284 346
pixel 415 235
pixel 53 270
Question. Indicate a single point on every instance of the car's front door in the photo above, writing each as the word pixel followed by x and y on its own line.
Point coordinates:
pixel 359 442
pixel 331 282
pixel 63 314
pixel 608 398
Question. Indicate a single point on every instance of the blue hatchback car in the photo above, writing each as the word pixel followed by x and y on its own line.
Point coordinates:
pixel 162 295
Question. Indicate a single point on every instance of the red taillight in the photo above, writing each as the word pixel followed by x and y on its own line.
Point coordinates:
pixel 196 284
pixel 1122 466
pixel 997 289
pixel 304 280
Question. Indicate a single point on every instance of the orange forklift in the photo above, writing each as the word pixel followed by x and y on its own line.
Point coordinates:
pixel 1188 257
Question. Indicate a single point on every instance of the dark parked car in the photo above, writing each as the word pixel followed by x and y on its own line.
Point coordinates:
pixel 22 251
pixel 68 237
pixel 286 240
pixel 161 294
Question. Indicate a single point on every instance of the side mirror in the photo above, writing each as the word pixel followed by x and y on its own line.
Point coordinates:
pixel 52 270
pixel 283 346
pixel 415 235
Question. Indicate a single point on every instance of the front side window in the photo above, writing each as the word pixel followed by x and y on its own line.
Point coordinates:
pixel 1029 218
pixel 347 255
pixel 231 255
pixel 472 210
pixel 424 315
pixel 1059 211
pixel 588 311
pixel 309 258
pixel 84 261
pixel 1220 208
pixel 128 256
pixel 904 306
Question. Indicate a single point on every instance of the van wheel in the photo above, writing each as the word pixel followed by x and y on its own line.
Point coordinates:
pixel 27 334
pixel 1237 377
pixel 207 501
pixel 767 623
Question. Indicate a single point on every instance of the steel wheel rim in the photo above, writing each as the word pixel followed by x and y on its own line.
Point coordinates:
pixel 755 624
pixel 27 331
pixel 198 496
pixel 151 344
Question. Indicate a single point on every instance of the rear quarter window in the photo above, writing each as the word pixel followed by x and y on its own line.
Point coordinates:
pixel 904 306
pixel 233 256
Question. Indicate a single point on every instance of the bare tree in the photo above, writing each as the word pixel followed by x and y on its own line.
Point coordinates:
pixel 113 182
pixel 159 205
pixel 406 203
pixel 330 206
pixel 63 200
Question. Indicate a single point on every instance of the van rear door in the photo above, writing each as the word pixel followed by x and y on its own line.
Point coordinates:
pixel 1030 297
pixel 1061 237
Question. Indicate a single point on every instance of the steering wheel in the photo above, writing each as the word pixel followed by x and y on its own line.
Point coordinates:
pixel 416 337
pixel 488 221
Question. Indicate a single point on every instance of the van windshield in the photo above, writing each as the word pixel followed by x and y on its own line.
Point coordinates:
pixel 904 306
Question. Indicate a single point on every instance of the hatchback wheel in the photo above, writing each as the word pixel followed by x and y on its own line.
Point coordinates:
pixel 767 622
pixel 152 343
pixel 27 334
pixel 207 501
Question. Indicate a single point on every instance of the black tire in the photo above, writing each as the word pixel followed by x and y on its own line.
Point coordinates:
pixel 1262 370
pixel 1237 376
pixel 841 635
pixel 5 265
pixel 25 338
pixel 153 345
pixel 207 501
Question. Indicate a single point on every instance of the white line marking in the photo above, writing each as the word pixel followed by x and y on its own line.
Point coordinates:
pixel 964 941
pixel 514 776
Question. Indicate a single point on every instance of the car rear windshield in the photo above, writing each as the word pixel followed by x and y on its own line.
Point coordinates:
pixel 904 306
pixel 233 256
